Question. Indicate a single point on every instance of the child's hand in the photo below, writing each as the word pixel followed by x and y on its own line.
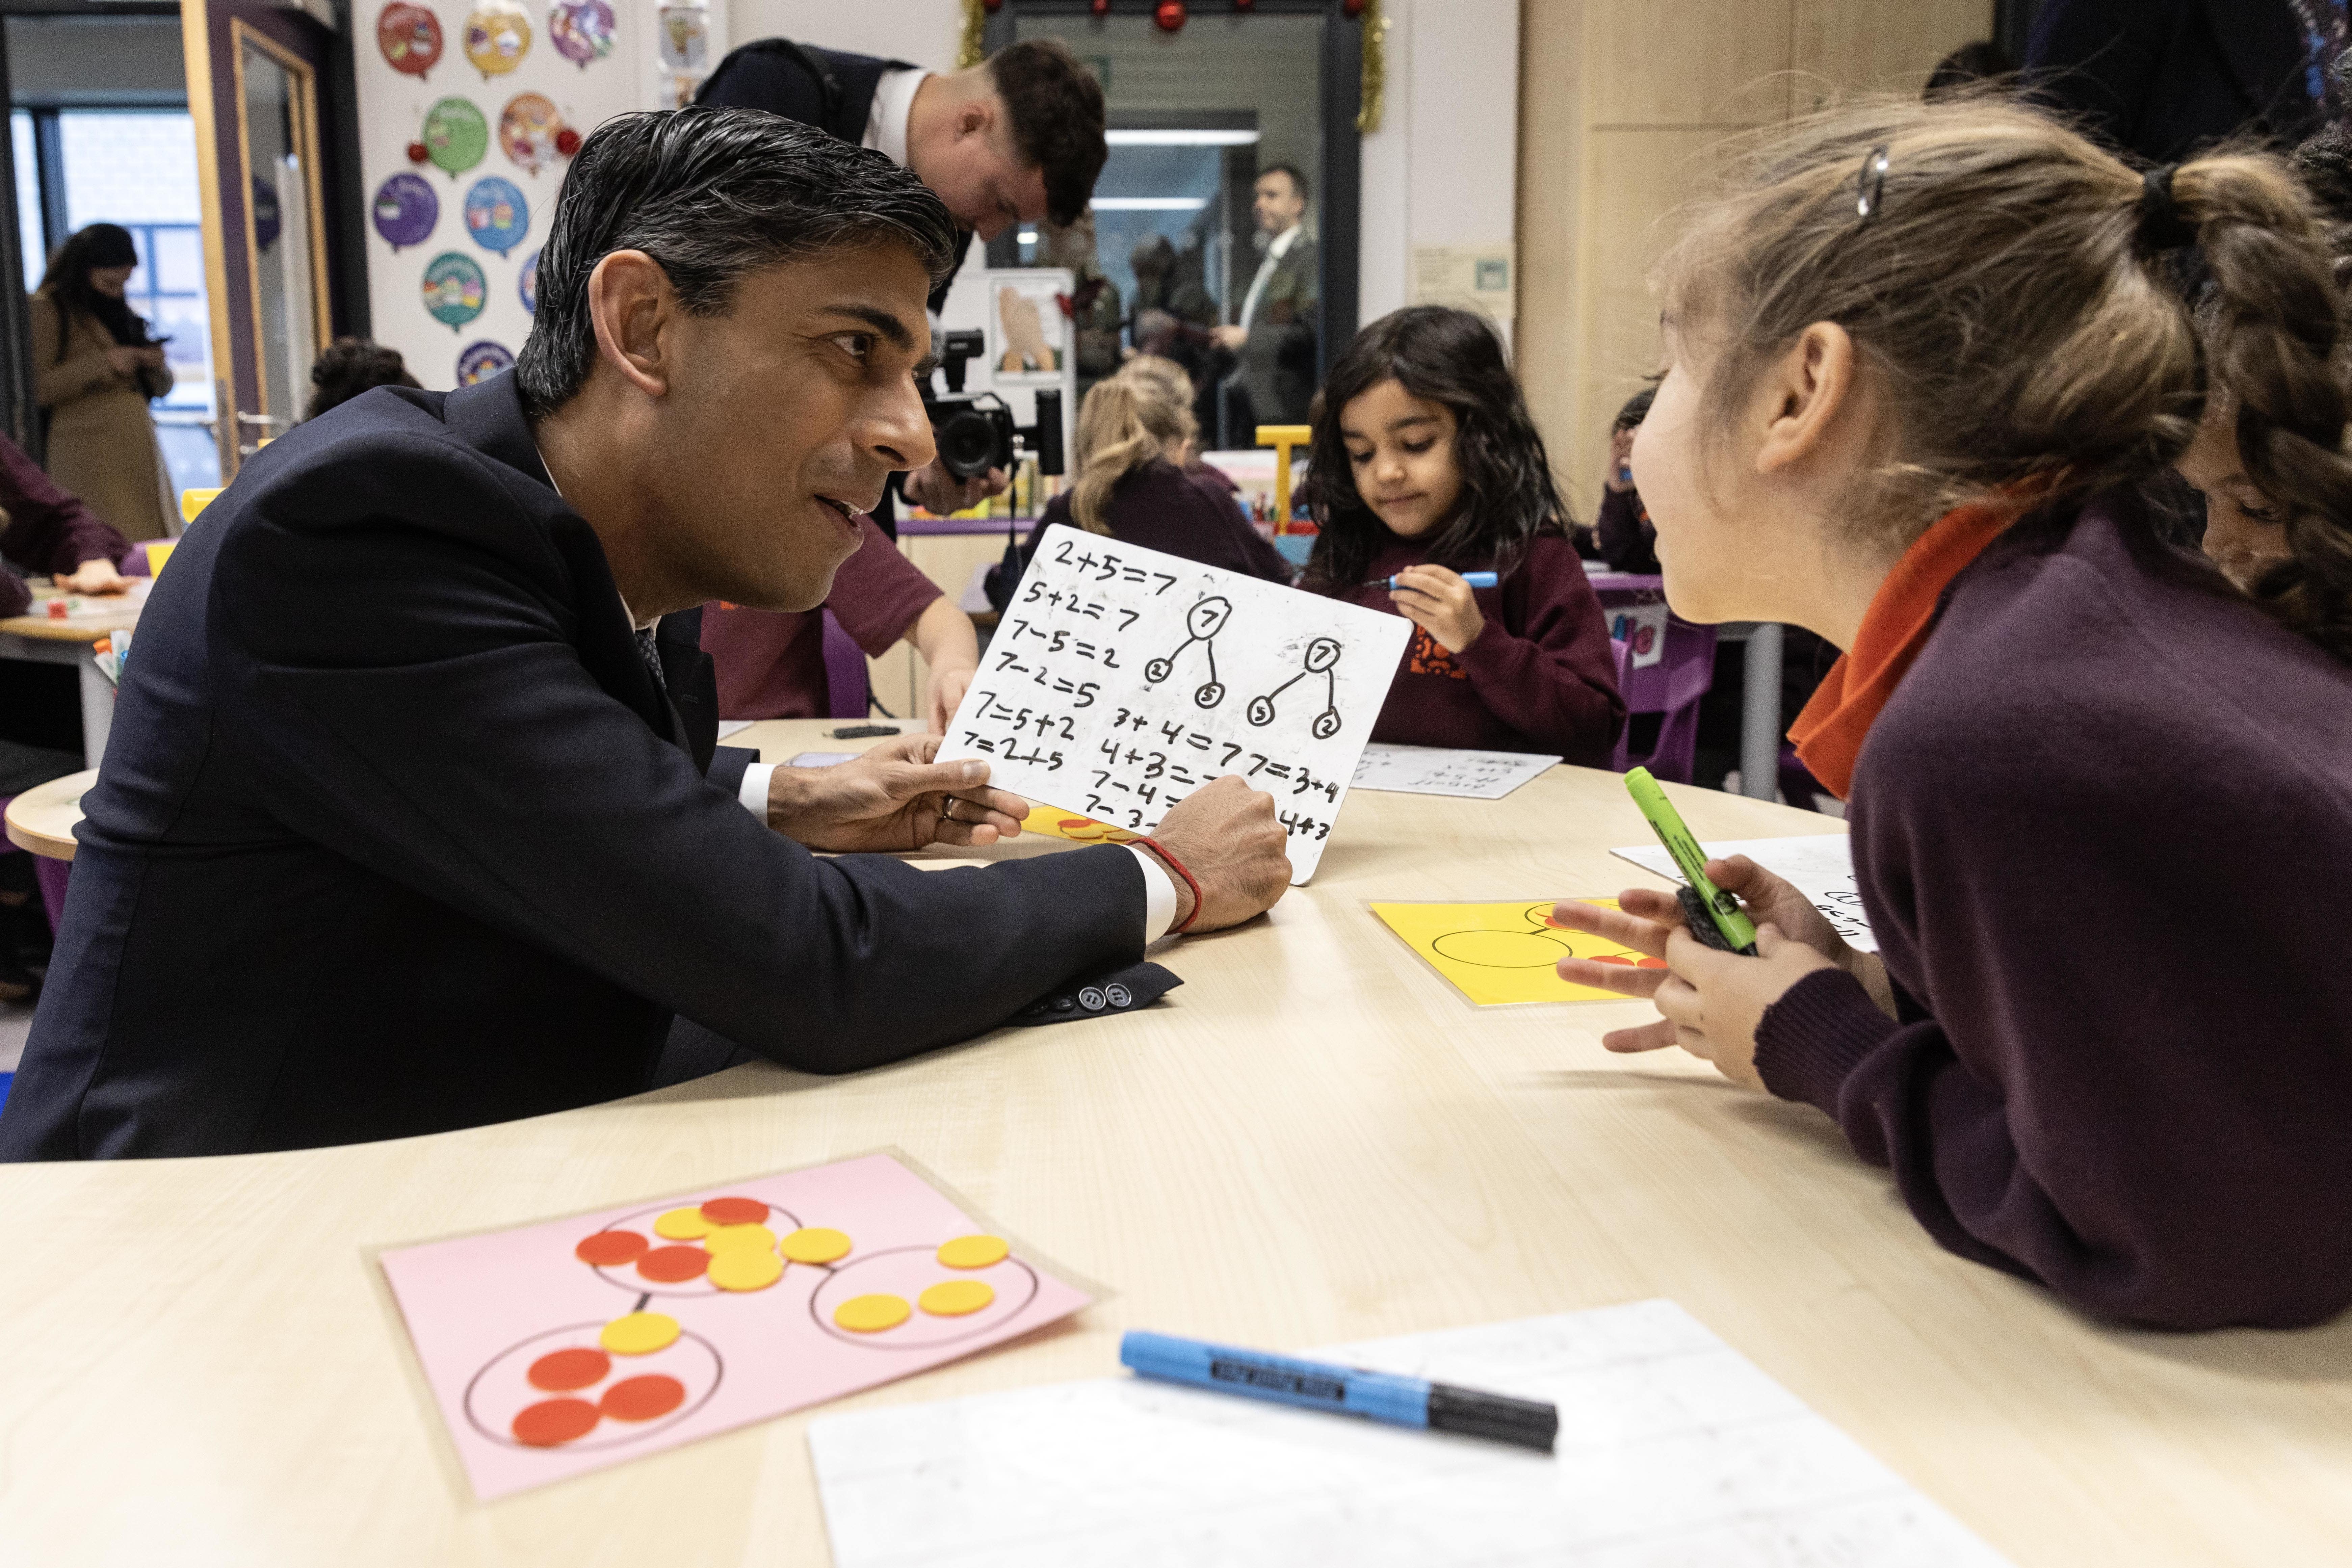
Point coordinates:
pixel 1439 602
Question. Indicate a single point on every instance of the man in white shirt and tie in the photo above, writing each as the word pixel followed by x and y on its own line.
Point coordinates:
pixel 1275 335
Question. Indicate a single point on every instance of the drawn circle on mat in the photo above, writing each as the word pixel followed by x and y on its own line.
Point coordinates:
pixel 455 288
pixel 1327 724
pixel 650 1218
pixel 737 1237
pixel 497 214
pixel 649 1396
pixel 956 1297
pixel 527 283
pixel 404 210
pixel 1211 693
pixel 528 127
pixel 871 1314
pixel 972 1252
pixel 476 362
pixel 906 1272
pixel 673 1265
pixel 1261 711
pixel 454 134
pixel 409 38
pixel 551 1423
pixel 728 1211
pixel 1321 655
pixel 581 30
pixel 746 1270
pixel 1208 617
pixel 574 1366
pixel 1157 670
pixel 501 1390
pixel 1501 949
pixel 497 36
pixel 815 1245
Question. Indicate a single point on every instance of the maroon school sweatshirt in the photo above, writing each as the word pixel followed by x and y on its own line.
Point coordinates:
pixel 2102 830
pixel 1539 677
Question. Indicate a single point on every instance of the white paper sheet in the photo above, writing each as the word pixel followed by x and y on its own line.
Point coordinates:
pixel 1819 866
pixel 1121 680
pixel 732 727
pixel 1438 770
pixel 1674 1449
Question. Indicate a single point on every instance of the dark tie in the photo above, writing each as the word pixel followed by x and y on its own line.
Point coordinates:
pixel 652 655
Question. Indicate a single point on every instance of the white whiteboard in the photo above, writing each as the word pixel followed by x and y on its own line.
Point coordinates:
pixel 1121 680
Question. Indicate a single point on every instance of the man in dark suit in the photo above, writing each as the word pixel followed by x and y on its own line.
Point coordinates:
pixel 410 818
pixel 1014 139
pixel 2163 78
pixel 1274 332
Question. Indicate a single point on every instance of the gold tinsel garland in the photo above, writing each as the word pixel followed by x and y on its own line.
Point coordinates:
pixel 973 48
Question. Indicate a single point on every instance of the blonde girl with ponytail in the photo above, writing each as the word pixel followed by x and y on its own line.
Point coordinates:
pixel 1921 359
pixel 1134 441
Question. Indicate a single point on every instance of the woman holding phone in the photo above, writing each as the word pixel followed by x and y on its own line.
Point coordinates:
pixel 95 369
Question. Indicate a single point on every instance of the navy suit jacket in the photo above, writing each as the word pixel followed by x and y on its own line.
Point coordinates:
pixel 2164 79
pixel 395 833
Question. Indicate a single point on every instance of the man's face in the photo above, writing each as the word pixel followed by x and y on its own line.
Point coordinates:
pixel 1276 202
pixel 795 404
pixel 977 171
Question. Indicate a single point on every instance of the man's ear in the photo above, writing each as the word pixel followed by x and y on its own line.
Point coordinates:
pixel 632 307
pixel 1803 394
pixel 976 118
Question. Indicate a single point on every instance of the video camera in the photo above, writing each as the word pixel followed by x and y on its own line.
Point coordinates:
pixel 974 431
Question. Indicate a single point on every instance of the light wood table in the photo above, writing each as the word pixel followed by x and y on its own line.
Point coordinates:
pixel 38 639
pixel 42 818
pixel 1313 1140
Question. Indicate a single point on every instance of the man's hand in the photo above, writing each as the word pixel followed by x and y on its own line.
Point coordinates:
pixel 948 687
pixel 1439 602
pixel 1230 338
pixel 892 799
pixel 1227 834
pixel 939 492
pixel 95 577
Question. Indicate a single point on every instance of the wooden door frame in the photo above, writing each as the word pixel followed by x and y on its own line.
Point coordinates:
pixel 242 33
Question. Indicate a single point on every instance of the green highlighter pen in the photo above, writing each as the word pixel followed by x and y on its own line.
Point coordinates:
pixel 1714 915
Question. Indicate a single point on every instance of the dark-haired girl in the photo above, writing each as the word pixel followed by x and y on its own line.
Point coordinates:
pixel 94 368
pixel 1425 466
pixel 1921 363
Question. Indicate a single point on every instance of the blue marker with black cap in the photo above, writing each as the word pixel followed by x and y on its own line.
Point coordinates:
pixel 1341 1390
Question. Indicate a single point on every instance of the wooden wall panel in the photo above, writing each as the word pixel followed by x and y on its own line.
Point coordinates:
pixel 1551 168
pixel 1684 62
pixel 1873 44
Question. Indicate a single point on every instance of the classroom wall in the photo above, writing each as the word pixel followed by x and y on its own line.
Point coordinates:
pixel 1621 99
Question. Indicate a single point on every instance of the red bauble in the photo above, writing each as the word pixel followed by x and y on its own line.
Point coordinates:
pixel 1352 7
pixel 1244 5
pixel 1099 7
pixel 567 140
pixel 418 151
pixel 991 6
pixel 1170 14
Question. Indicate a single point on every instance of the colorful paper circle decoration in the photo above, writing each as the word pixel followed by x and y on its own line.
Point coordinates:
pixel 527 283
pixel 456 135
pixel 410 37
pixel 528 128
pixel 454 289
pixel 497 36
pixel 481 360
pixel 581 30
pixel 404 209
pixel 496 213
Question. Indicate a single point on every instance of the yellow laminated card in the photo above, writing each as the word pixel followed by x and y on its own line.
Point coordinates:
pixel 1499 955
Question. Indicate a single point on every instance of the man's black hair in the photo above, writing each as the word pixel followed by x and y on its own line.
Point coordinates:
pixel 711 195
pixel 1297 181
pixel 1057 109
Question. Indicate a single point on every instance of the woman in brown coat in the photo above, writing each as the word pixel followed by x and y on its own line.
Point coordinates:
pixel 94 371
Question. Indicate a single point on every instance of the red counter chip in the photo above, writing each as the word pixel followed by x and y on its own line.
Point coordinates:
pixel 611 1249
pixel 672 1265
pixel 735 1211
pixel 642 1398
pixel 552 1421
pixel 561 1371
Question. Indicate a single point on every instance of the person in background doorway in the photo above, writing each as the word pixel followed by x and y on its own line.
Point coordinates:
pixel 1628 541
pixel 1094 305
pixel 349 366
pixel 1274 337
pixel 94 371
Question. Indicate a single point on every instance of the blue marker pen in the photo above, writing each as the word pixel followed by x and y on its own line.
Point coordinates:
pixel 1476 580
pixel 1343 1389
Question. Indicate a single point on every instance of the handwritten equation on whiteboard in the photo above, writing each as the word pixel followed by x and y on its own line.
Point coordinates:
pixel 1121 680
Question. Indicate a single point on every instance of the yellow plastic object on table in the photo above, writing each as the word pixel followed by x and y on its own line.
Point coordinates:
pixel 1499 954
pixel 1282 438
pixel 194 501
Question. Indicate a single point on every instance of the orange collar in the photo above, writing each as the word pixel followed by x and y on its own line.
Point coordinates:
pixel 1830 732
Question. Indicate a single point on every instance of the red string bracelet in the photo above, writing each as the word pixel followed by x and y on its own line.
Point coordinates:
pixel 1177 865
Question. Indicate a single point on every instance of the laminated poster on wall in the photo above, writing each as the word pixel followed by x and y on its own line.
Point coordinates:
pixel 498 37
pixel 497 216
pixel 529 127
pixel 455 135
pixel 527 283
pixel 455 288
pixel 685 38
pixel 1027 333
pixel 405 211
pixel 409 38
pixel 581 30
pixel 480 361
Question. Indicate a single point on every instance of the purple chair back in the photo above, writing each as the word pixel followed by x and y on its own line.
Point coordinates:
pixel 1624 654
pixel 846 696
pixel 1672 686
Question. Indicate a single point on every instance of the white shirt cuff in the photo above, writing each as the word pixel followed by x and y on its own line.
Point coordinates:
pixel 1158 896
pixel 755 790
